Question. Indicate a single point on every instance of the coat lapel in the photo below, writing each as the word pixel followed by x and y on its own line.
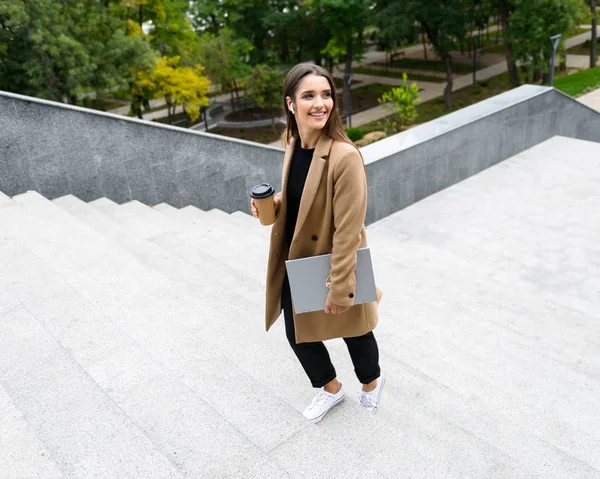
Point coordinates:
pixel 287 164
pixel 313 180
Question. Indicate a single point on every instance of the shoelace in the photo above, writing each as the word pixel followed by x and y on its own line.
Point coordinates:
pixel 367 401
pixel 320 398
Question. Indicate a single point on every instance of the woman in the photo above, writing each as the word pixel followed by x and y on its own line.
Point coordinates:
pixel 321 210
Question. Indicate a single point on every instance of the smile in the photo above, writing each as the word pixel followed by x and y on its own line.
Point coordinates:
pixel 318 115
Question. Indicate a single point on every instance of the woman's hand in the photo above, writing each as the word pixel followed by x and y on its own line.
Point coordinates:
pixel 276 200
pixel 334 308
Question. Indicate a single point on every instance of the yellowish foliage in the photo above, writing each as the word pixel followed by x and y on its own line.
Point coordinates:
pixel 181 85
pixel 133 29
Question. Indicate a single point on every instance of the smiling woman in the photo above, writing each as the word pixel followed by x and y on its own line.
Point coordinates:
pixel 313 105
pixel 322 210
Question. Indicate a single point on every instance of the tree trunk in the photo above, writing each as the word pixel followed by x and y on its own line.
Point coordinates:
pixel 136 106
pixel 432 34
pixel 140 15
pixel 285 48
pixel 513 72
pixel 449 84
pixel 347 73
pixel 594 44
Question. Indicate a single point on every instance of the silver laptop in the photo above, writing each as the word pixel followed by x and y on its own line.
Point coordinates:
pixel 308 281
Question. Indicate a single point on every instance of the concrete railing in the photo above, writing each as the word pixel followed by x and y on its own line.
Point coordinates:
pixel 58 149
pixel 414 164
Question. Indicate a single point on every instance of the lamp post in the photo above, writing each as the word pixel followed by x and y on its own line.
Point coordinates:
pixel 347 82
pixel 555 39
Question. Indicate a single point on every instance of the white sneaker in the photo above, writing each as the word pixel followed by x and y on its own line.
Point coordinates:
pixel 370 400
pixel 322 403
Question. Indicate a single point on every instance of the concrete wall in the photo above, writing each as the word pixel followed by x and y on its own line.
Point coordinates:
pixel 58 149
pixel 412 165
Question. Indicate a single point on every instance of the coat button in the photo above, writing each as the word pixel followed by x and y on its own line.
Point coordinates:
pixel 351 295
pixel 315 237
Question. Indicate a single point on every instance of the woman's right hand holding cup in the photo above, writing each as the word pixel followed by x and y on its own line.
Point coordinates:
pixel 276 201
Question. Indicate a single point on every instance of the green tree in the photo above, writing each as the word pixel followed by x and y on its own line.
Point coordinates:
pixel 210 16
pixel 222 57
pixel 533 23
pixel 165 24
pixel 506 9
pixel 59 50
pixel 345 20
pixel 445 24
pixel 264 86
pixel 403 100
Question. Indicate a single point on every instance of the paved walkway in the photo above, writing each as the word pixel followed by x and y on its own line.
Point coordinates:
pixel 430 90
pixel 591 99
pixel 435 90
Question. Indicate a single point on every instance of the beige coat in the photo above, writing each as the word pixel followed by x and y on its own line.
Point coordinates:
pixel 330 220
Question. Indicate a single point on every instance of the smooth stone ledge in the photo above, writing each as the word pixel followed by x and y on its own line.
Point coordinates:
pixel 412 165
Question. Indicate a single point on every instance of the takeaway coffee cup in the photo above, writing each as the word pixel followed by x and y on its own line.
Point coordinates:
pixel 263 200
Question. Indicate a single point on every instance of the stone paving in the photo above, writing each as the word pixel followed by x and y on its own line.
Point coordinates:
pixel 591 99
pixel 132 341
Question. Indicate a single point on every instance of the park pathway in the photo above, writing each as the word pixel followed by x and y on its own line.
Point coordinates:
pixel 430 90
pixel 591 99
pixel 435 90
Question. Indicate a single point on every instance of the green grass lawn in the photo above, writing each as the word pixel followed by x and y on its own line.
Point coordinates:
pixel 429 65
pixel 411 77
pixel 576 31
pixel 579 82
pixel 490 46
pixel 435 108
pixel 261 134
pixel 366 96
pixel 584 48
pixel 95 104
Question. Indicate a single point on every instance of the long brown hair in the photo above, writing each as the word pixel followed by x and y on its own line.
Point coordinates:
pixel 334 128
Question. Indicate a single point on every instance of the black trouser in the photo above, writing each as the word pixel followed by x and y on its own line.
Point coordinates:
pixel 314 356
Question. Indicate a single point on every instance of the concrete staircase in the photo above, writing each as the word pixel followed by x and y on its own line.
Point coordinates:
pixel 132 342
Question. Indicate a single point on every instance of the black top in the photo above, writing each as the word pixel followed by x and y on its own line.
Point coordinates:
pixel 301 160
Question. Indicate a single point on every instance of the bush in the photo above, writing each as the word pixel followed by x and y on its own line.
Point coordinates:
pixel 355 134
pixel 403 100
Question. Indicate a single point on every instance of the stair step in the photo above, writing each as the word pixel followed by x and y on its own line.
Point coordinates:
pixel 164 208
pixel 247 221
pixel 207 281
pixel 208 272
pixel 22 453
pixel 149 306
pixel 156 398
pixel 244 254
pixel 4 199
pixel 137 217
pixel 56 396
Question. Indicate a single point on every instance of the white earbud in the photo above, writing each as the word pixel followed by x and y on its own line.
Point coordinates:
pixel 292 109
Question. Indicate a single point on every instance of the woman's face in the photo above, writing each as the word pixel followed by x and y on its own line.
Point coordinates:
pixel 313 103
